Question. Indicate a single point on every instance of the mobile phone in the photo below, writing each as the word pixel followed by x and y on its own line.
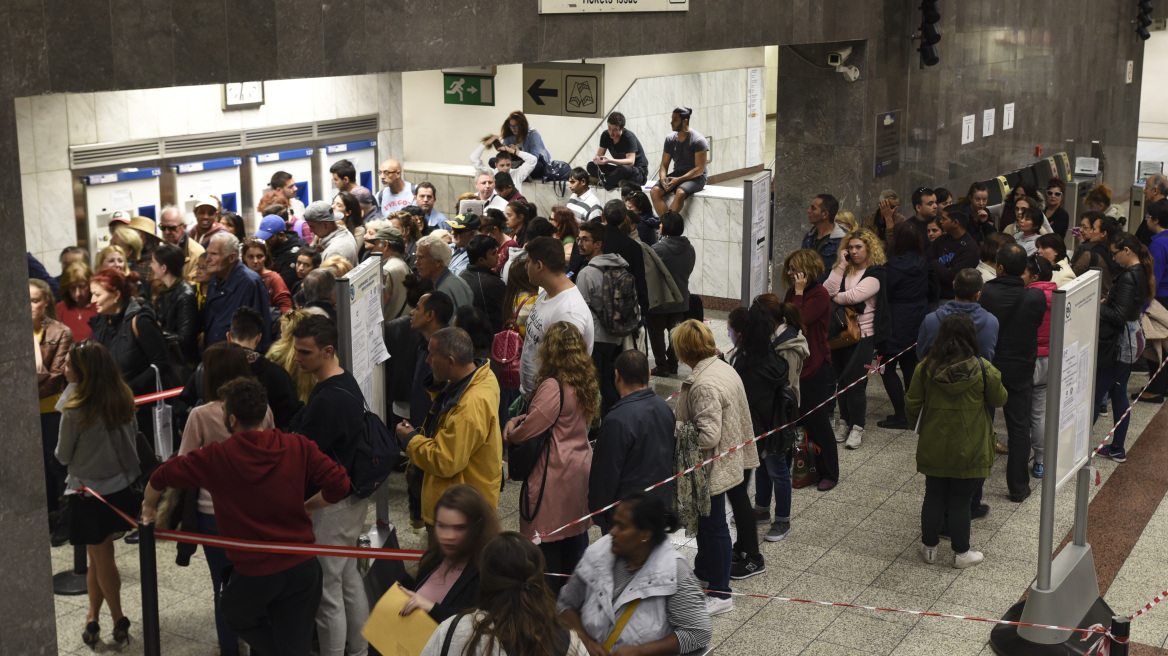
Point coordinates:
pixel 1076 232
pixel 847 256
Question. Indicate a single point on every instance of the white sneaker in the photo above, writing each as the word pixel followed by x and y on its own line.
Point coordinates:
pixel 929 554
pixel 716 606
pixel 841 430
pixel 967 559
pixel 855 437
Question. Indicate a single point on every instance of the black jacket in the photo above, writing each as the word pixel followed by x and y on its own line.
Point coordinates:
pixel 489 290
pixel 334 418
pixel 616 241
pixel 906 287
pixel 178 315
pixel 282 397
pixel 763 378
pixel 463 595
pixel 135 355
pixel 1129 292
pixel 284 257
pixel 947 256
pixel 402 343
pixel 1019 312
pixel 634 449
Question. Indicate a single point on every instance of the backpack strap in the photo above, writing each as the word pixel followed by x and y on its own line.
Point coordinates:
pixel 450 634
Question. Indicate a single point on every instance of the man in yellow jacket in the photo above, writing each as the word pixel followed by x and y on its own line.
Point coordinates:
pixel 460 440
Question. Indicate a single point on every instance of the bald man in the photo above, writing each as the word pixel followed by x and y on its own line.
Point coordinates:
pixel 397 193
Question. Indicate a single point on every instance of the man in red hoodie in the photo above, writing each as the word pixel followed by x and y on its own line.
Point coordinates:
pixel 258 478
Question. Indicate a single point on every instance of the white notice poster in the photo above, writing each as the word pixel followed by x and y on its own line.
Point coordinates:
pixel 121 199
pixel 755 114
pixel 1008 117
pixel 1070 386
pixel 968 129
pixel 987 122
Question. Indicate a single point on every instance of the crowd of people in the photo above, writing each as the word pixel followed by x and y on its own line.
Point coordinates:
pixel 520 341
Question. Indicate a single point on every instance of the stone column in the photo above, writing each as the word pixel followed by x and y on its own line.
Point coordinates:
pixel 26 587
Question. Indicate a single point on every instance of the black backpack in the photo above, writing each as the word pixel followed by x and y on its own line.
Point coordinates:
pixel 377 454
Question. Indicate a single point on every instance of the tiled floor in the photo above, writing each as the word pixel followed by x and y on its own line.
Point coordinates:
pixel 855 544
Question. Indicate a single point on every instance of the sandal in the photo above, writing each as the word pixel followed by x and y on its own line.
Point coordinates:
pixel 122 630
pixel 89 635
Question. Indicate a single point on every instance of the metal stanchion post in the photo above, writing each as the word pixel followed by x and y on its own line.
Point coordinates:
pixel 1120 628
pixel 72 582
pixel 147 559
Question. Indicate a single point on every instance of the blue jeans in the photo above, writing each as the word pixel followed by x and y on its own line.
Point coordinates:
pixel 217 561
pixel 713 560
pixel 1112 381
pixel 780 477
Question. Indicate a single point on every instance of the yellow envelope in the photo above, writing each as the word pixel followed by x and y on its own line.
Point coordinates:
pixel 394 635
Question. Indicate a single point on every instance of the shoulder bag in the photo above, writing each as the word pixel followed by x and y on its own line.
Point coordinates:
pixel 522 458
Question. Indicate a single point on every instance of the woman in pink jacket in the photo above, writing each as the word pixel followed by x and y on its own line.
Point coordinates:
pixel 1039 272
pixel 565 401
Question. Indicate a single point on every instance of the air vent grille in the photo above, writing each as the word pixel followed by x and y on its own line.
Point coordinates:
pixel 85 156
pixel 344 126
pixel 278 134
pixel 203 142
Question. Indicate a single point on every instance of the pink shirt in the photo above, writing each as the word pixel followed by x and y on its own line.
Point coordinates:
pixel 438 585
pixel 856 291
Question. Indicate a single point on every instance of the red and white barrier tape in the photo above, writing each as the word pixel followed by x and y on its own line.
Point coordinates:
pixel 157 396
pixel 1148 606
pixel 872 370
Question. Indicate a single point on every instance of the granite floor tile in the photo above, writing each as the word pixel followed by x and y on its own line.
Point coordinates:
pixel 928 582
pixel 877 545
pixel 989 594
pixel 847 565
pixel 823 648
pixel 761 640
pixel 926 641
pixel 968 630
pixel 791 554
pixel 860 630
pixel 883 598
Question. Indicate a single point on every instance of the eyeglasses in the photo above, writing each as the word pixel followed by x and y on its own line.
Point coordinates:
pixel 1054 192
pixel 171 228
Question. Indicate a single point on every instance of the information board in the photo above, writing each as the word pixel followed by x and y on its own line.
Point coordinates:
pixel 359 322
pixel 1074 329
pixel 756 232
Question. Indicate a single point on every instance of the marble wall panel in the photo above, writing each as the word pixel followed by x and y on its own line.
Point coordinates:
pixel 143 43
pixel 50 130
pixel 112 116
pixel 201 48
pixel 79 44
pixel 26 146
pixel 304 55
pixel 250 24
pixel 32 211
pixel 82 118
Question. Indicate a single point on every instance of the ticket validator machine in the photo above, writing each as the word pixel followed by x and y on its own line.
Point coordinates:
pixel 216 177
pixel 363 155
pixel 135 191
pixel 297 162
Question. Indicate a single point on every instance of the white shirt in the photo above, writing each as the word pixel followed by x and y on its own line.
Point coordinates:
pixel 586 207
pixel 391 202
pixel 568 306
pixel 518 173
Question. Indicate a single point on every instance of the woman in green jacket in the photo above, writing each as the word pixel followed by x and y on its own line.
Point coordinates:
pixel 949 399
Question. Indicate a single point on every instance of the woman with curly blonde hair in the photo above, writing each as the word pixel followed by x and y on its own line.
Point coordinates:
pixel 282 353
pixel 565 400
pixel 856 281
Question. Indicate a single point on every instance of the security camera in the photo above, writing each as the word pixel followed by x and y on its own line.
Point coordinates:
pixel 837 58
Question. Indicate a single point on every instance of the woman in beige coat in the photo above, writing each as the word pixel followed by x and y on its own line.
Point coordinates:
pixel 712 397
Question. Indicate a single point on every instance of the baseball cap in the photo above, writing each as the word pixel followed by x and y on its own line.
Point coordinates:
pixel 319 210
pixel 270 225
pixel 388 233
pixel 465 221
pixel 363 196
pixel 120 217
pixel 207 200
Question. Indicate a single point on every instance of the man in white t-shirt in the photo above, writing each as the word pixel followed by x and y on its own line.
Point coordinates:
pixel 509 159
pixel 559 300
pixel 397 193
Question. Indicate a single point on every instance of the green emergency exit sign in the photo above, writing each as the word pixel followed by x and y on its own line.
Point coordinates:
pixel 468 90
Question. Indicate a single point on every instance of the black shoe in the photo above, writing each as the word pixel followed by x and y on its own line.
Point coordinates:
pixel 979 512
pixel 1021 497
pixel 132 537
pixel 594 174
pixel 59 538
pixel 894 423
pixel 122 631
pixel 89 635
pixel 1157 399
pixel 747 567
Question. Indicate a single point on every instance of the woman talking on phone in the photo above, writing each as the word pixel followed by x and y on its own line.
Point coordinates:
pixel 801 270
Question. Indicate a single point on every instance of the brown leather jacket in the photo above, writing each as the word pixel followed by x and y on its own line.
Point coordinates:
pixel 55 343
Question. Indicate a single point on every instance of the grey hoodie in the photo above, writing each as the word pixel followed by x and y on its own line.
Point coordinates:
pixel 589 281
pixel 791 345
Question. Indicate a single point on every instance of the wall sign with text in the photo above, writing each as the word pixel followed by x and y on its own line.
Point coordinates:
pixel 609 6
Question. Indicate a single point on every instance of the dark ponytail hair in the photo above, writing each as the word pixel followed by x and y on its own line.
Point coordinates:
pixel 782 312
pixel 520 608
pixel 754 337
pixel 1039 267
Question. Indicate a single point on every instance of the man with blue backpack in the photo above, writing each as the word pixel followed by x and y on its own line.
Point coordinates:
pixel 334 418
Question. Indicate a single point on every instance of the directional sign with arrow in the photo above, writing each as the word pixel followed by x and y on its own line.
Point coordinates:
pixel 555 89
pixel 538 93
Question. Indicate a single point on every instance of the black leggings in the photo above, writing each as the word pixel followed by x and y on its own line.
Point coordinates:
pixel 813 390
pixel 892 385
pixel 744 519
pixel 848 364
